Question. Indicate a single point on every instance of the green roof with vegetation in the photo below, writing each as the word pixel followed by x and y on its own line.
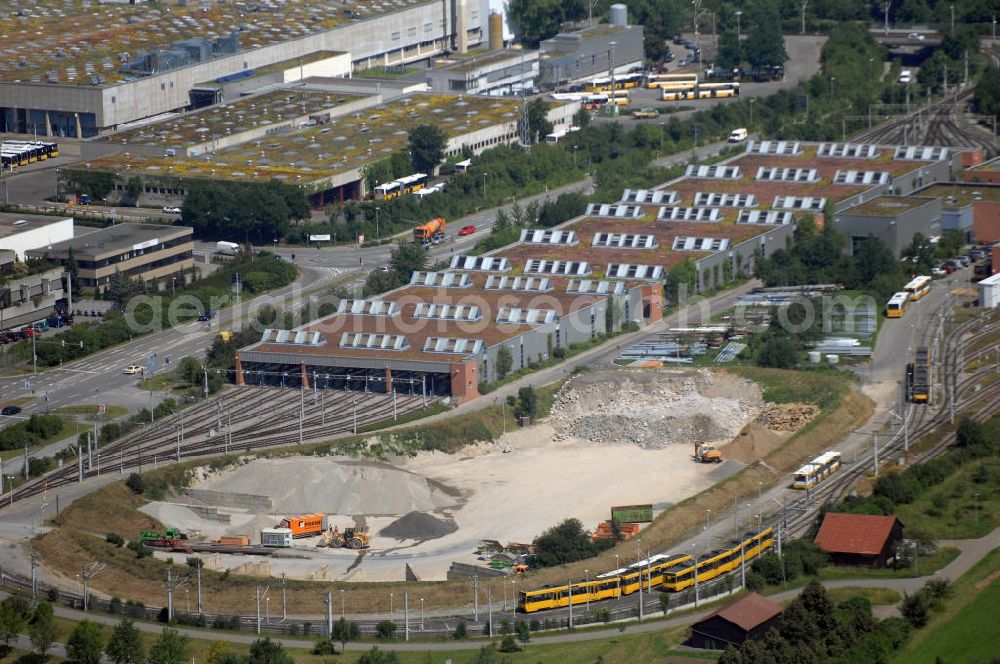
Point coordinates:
pixel 346 143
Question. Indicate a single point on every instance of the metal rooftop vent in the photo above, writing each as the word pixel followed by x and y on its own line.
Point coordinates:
pixel 775 148
pixel 634 271
pixel 480 263
pixel 710 199
pixel 689 214
pixel 649 196
pixel 774 174
pixel 461 312
pixel 524 284
pixel 920 153
pixel 441 279
pixel 847 150
pixel 717 172
pixel 453 346
pixel 368 308
pixel 799 203
pixel 768 217
pixel 709 244
pixel 861 177
pixel 518 316
pixel 561 238
pixel 293 337
pixel 595 287
pixel 368 341
pixel 616 210
pixel 565 268
pixel 624 241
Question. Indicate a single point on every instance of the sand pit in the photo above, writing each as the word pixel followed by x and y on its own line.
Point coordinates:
pixel 655 409
pixel 614 438
pixel 336 486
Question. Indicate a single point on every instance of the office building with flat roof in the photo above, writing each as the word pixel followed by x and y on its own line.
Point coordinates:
pixel 133 251
pixel 21 232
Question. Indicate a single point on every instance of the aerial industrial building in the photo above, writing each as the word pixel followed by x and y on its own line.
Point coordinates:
pixel 80 68
pixel 448 332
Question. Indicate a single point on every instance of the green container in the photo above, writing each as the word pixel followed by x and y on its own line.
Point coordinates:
pixel 632 513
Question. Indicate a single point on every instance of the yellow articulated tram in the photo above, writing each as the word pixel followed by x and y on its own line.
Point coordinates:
pixel 816 470
pixel 671 573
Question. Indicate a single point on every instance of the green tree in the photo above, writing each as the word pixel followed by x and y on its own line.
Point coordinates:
pixel 523 632
pixel 920 253
pixel 427 144
pixel 461 632
pixel 12 621
pixel 987 97
pixel 170 648
pixel 730 54
pixel 42 630
pixel 682 281
pixel 541 19
pixel 133 188
pixel 765 44
pixel 915 609
pixel 970 433
pixel 266 651
pixel 778 351
pixel 345 631
pixel 527 403
pixel 564 543
pixel 508 644
pixel 405 259
pixel 505 361
pixel 376 656
pixel 538 122
pixel 125 644
pixel 385 629
pixel 86 643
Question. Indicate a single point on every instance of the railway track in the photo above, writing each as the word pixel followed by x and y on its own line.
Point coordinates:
pixel 203 430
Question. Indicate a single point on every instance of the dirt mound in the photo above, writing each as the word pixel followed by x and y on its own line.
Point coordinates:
pixel 418 526
pixel 655 409
pixel 311 484
pixel 753 443
pixel 787 416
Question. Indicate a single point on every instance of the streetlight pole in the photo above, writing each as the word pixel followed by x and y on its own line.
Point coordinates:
pixel 738 13
pixel 751 111
pixel 377 235
pixel 484 185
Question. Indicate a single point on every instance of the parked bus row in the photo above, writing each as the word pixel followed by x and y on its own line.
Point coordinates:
pixel 401 187
pixel 22 153
pixel 913 292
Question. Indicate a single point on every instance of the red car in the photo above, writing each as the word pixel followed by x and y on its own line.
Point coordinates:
pixel 467 230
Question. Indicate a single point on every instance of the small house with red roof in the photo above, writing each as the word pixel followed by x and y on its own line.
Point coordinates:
pixel 747 619
pixel 859 539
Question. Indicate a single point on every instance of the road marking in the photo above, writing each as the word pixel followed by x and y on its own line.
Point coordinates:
pixel 86 371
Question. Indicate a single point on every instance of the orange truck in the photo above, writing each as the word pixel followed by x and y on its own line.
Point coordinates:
pixel 306 525
pixel 425 232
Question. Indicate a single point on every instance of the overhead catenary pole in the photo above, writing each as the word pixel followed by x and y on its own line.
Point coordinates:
pixel 475 597
pixel 406 616
pixel 198 569
pixel 329 614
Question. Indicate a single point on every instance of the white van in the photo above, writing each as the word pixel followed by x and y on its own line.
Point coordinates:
pixel 738 135
pixel 905 77
pixel 227 248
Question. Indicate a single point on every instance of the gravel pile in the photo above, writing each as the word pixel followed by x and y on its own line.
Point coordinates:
pixel 650 413
pixel 320 484
pixel 418 526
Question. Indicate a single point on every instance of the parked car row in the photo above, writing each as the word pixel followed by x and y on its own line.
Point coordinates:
pixel 958 262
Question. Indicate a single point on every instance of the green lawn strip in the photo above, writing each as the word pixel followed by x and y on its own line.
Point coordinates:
pixel 925 565
pixel 965 506
pixel 111 411
pixel 966 630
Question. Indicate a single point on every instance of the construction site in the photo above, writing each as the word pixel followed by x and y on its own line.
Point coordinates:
pixel 420 516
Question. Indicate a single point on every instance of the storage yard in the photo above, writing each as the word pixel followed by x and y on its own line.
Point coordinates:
pixel 433 509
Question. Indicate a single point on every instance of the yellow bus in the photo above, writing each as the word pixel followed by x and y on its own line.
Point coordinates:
pixel 896 306
pixel 816 470
pixel 918 287
pixel 654 81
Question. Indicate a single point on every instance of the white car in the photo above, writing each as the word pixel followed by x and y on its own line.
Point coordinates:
pixel 939 272
pixel 172 210
pixel 132 369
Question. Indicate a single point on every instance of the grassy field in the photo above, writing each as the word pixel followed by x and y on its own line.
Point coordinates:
pixel 877 596
pixel 925 565
pixel 111 411
pixel 964 506
pixel 965 632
